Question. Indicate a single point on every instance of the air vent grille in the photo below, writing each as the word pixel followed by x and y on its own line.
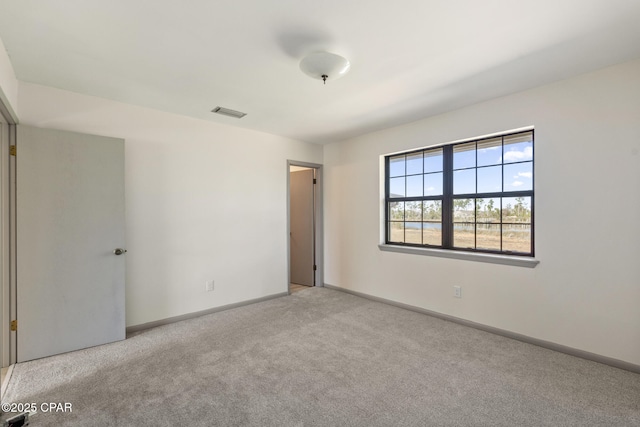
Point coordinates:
pixel 229 112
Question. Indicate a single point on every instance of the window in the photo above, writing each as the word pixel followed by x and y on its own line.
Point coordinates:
pixel 470 196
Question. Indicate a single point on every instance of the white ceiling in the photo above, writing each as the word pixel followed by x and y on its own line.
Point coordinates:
pixel 409 58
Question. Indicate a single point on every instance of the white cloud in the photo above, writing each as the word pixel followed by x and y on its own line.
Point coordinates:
pixel 518 156
pixel 516 183
pixel 497 147
pixel 431 188
pixel 524 175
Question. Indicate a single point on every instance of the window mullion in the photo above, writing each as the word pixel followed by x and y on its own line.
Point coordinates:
pixel 447 197
pixel 475 203
pixel 404 213
pixel 502 188
pixel 422 205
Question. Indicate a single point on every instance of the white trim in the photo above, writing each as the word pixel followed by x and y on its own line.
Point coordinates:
pixel 467 256
pixel 8 118
pixel 11 242
pixel 4 242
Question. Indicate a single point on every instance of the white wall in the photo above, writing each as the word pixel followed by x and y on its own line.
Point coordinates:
pixel 8 83
pixel 204 201
pixel 585 293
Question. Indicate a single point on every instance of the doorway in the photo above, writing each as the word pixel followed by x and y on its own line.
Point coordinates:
pixel 304 225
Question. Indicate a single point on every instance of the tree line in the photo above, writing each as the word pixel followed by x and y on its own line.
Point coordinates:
pixel 485 211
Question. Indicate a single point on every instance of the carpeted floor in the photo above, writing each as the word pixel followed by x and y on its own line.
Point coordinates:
pixel 321 357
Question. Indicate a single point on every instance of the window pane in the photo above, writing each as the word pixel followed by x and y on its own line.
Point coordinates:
pixel 464 223
pixel 413 232
pixel 396 187
pixel 490 152
pixel 414 164
pixel 463 210
pixel 433 161
pixel 464 181
pixel 396 232
pixel 463 235
pixel 518 148
pixel 432 233
pixel 432 210
pixel 516 210
pixel 432 229
pixel 396 211
pixel 488 236
pixel 490 179
pixel 414 185
pixel 488 210
pixel 518 177
pixel 433 184
pixel 413 211
pixel 516 238
pixel 464 156
pixel 396 166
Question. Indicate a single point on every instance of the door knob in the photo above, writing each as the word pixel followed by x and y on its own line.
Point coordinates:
pixel 119 251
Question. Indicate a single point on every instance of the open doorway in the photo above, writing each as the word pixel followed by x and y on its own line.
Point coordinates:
pixel 305 223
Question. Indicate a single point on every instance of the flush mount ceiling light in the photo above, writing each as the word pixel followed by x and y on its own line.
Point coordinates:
pixel 324 66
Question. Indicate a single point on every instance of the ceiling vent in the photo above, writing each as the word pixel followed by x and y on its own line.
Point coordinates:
pixel 228 112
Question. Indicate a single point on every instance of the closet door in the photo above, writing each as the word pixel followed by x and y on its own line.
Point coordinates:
pixel 70 241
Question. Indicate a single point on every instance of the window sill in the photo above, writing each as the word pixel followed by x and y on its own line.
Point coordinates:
pixel 467 256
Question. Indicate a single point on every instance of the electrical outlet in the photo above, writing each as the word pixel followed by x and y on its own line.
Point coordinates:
pixel 457 291
pixel 209 285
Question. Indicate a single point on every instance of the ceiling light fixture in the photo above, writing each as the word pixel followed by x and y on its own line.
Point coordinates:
pixel 324 66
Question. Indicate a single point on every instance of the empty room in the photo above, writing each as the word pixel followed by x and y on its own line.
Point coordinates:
pixel 292 213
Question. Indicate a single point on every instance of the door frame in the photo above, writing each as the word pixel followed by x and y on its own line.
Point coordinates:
pixel 319 222
pixel 7 235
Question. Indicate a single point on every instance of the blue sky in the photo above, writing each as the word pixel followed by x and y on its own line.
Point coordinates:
pixel 491 160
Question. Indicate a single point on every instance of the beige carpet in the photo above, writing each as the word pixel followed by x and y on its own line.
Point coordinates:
pixel 321 357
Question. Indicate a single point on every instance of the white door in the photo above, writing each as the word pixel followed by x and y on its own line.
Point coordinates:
pixel 301 214
pixel 70 219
